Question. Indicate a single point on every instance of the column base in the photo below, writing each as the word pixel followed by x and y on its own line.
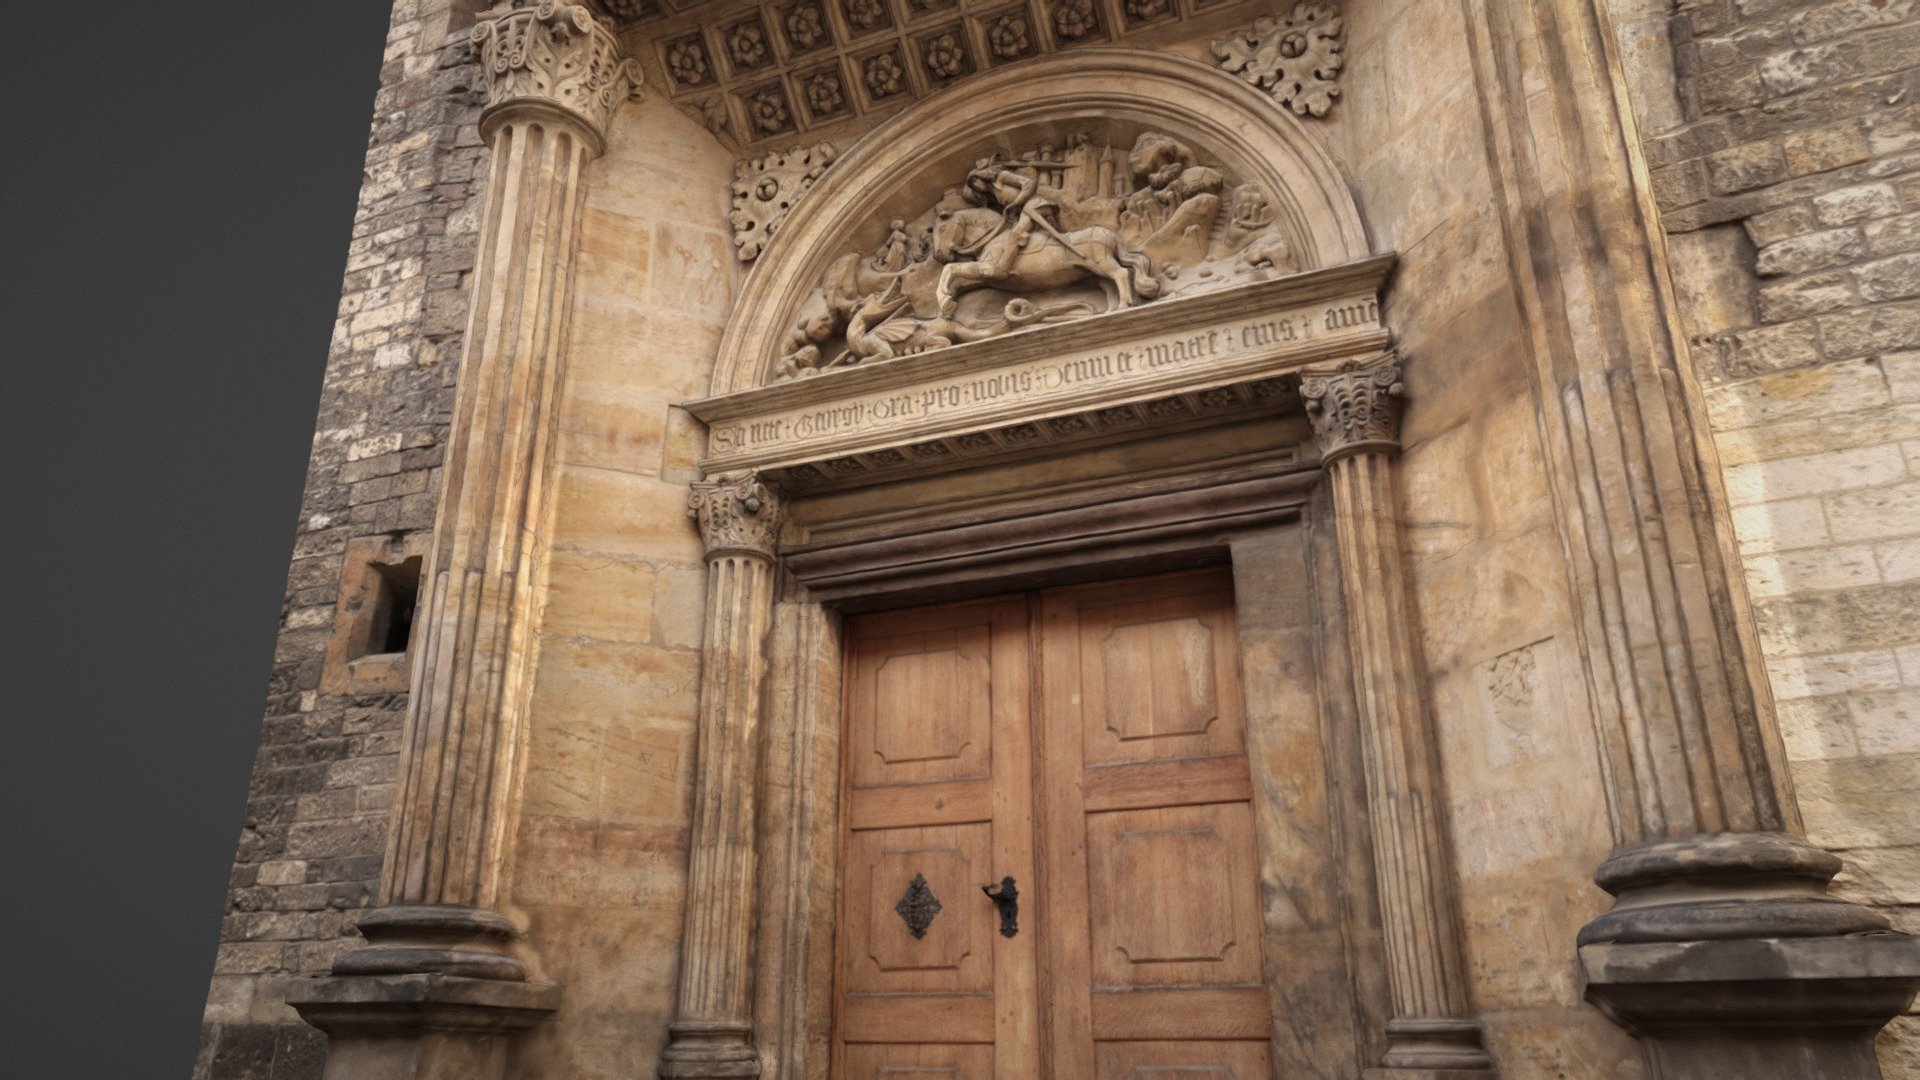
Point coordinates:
pixel 419 1026
pixel 433 995
pixel 1433 1049
pixel 1725 956
pixel 441 939
pixel 698 1048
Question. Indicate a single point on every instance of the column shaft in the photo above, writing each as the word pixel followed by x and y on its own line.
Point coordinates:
pixel 1356 409
pixel 553 77
pixel 464 728
pixel 712 1031
pixel 1679 695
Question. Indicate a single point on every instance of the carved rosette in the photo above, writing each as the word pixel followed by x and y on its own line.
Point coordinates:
pixel 1297 59
pixel 765 190
pixel 1355 407
pixel 558 54
pixel 737 514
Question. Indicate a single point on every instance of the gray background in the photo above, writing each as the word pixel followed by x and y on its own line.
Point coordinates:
pixel 180 181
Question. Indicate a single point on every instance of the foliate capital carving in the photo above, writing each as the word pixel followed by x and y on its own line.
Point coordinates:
pixel 1354 406
pixel 737 514
pixel 1296 59
pixel 558 53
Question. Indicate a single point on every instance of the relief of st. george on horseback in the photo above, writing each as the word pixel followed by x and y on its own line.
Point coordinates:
pixel 1045 236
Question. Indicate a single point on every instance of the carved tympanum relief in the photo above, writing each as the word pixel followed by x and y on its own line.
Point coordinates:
pixel 1054 233
pixel 1296 58
pixel 765 189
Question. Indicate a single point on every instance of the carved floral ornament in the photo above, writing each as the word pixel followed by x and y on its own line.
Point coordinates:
pixel 557 53
pixel 1296 58
pixel 765 189
pixel 1053 233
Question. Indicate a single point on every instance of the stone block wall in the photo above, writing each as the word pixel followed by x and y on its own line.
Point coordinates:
pixel 1787 168
pixel 315 827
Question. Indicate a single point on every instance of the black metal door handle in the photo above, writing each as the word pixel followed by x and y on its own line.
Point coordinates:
pixel 1006 897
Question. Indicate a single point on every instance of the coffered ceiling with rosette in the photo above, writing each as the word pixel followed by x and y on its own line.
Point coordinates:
pixel 763 73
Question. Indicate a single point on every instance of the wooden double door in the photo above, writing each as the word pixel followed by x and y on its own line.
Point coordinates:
pixel 1090 744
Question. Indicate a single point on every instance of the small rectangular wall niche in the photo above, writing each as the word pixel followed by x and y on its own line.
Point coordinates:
pixel 397 589
pixel 373 619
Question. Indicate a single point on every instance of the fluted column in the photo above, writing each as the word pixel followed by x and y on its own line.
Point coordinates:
pixel 1355 408
pixel 712 1029
pixel 554 76
pixel 1723 951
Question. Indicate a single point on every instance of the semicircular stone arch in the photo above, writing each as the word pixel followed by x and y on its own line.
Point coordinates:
pixel 902 169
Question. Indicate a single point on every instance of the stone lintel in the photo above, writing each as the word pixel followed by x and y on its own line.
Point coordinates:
pixel 1124 358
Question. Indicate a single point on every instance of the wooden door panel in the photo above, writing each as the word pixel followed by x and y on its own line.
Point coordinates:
pixel 1154 924
pixel 954 802
pixel 1160 679
pixel 1240 1012
pixel 1184 1061
pixel 916 1019
pixel 921 708
pixel 919 880
pixel 936 802
pixel 919 1062
pixel 1172 895
pixel 1149 784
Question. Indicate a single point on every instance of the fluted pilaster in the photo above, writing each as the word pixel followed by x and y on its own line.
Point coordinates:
pixel 553 77
pixel 1355 409
pixel 1722 928
pixel 712 1031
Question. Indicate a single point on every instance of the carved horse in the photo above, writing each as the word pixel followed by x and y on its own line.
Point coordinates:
pixel 1047 261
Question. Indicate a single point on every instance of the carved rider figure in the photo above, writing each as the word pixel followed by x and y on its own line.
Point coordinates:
pixel 1000 185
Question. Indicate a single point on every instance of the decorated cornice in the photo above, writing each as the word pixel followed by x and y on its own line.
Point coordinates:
pixel 1354 406
pixel 737 514
pixel 556 54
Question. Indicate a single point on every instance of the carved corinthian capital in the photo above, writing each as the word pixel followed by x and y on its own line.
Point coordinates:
pixel 557 54
pixel 738 514
pixel 1355 407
